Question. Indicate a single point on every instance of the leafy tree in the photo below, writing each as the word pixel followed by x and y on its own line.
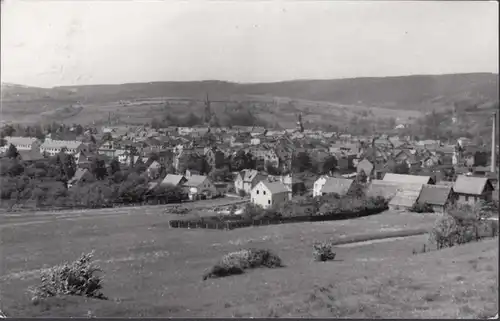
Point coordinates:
pixel 114 166
pixel 242 160
pixel 12 152
pixel 98 168
pixel 271 170
pixel 329 164
pixel 8 131
pixel 399 168
pixel 301 162
pixel 221 175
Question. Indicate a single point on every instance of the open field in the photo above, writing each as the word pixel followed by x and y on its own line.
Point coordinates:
pixel 151 270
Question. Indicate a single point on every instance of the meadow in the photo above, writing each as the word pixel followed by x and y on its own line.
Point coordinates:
pixel 151 270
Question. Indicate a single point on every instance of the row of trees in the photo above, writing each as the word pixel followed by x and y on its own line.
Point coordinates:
pixel 300 162
pixel 45 183
pixel 229 118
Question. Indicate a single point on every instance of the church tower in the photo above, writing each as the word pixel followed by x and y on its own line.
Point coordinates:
pixel 300 126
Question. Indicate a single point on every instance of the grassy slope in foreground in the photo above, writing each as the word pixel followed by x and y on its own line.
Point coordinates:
pixel 153 271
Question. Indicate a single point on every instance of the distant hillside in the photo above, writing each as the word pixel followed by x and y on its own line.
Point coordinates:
pixel 405 92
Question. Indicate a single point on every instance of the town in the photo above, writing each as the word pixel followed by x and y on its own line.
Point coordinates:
pixel 148 164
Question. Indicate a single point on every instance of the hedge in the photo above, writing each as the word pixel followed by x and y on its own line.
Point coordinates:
pixel 214 222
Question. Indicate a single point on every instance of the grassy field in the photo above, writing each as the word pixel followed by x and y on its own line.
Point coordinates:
pixel 153 271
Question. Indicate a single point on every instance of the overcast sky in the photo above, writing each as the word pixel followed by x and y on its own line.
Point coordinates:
pixel 50 43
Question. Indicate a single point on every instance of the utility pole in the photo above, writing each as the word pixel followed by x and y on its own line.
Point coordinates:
pixel 494 143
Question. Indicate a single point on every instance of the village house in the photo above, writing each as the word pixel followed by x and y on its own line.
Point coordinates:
pixel 239 140
pixel 52 147
pixel 430 161
pixel 473 156
pixel 332 185
pixel 439 197
pixel 471 189
pixel 255 141
pixel 173 179
pixel 267 194
pixel 21 143
pixel 246 180
pixel 266 154
pixel 214 157
pixel 199 186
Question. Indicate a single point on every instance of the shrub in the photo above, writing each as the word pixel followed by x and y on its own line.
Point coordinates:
pixel 323 251
pixel 236 262
pixel 179 210
pixel 255 212
pixel 421 208
pixel 462 224
pixel 78 278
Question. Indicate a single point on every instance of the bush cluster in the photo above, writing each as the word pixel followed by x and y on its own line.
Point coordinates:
pixel 462 224
pixel 236 262
pixel 255 212
pixel 78 278
pixel 334 204
pixel 421 208
pixel 323 251
pixel 179 210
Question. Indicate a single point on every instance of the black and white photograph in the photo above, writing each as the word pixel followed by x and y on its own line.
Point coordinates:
pixel 249 159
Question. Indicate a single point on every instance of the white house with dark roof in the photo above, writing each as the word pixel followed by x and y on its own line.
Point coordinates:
pixel 247 179
pixel 267 194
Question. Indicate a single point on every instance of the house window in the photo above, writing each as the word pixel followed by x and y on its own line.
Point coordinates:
pixel 466 198
pixel 264 192
pixel 257 191
pixel 269 202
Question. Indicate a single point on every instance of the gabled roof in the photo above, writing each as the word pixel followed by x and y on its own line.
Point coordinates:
pixel 248 175
pixel 402 178
pixel 78 175
pixel 173 179
pixel 30 155
pixel 337 185
pixel 406 196
pixel 275 187
pixel 435 194
pixel 70 144
pixel 470 185
pixel 18 140
pixel 195 180
pixel 366 166
pixel 382 188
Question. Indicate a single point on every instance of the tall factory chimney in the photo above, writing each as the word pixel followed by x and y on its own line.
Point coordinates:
pixel 494 144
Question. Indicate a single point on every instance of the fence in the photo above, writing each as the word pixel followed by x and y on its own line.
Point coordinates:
pixel 229 225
